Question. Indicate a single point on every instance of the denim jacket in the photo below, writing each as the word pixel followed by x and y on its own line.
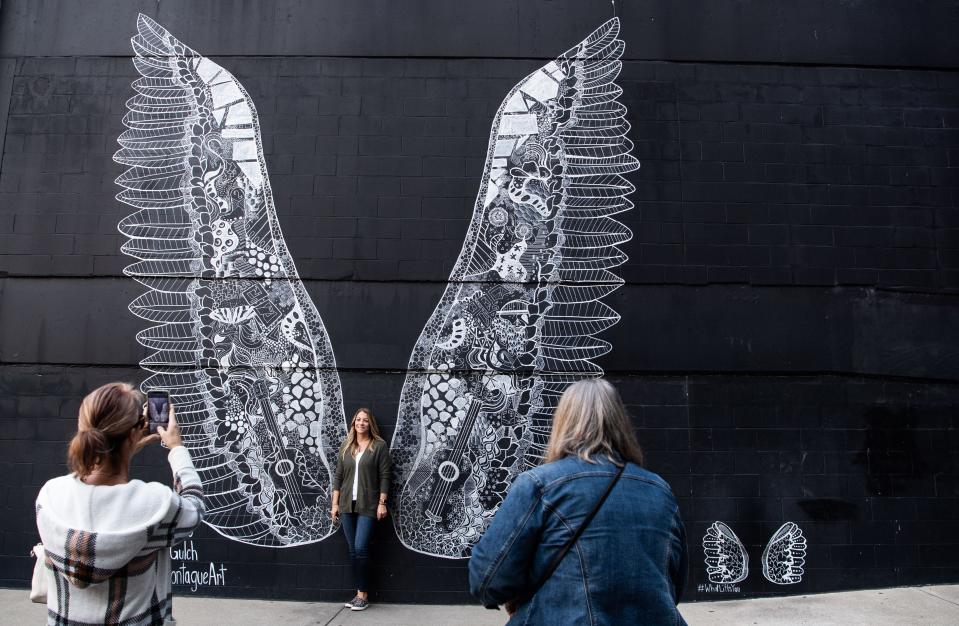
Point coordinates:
pixel 628 567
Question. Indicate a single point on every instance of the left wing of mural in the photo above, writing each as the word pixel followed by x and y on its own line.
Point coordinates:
pixel 238 342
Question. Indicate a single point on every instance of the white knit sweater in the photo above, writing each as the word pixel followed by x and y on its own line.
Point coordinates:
pixel 106 546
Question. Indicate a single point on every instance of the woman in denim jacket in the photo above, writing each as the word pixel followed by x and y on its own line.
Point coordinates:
pixel 629 565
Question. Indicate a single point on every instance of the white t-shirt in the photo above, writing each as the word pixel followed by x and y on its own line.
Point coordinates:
pixel 356 474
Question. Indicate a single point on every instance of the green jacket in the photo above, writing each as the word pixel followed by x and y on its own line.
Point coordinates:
pixel 374 479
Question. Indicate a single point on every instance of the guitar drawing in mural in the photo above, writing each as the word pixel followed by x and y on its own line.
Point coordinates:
pixel 246 357
pixel 519 318
pixel 726 558
pixel 237 341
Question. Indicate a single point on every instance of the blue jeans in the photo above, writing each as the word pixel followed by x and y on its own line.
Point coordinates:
pixel 357 530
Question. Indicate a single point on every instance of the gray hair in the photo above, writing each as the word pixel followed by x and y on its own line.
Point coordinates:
pixel 591 420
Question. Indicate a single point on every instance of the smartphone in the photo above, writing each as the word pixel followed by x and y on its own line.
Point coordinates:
pixel 158 409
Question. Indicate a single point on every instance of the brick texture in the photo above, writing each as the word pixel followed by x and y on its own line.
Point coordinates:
pixel 750 174
pixel 767 379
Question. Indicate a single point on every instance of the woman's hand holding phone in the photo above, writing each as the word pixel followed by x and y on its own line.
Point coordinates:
pixel 170 435
pixel 143 436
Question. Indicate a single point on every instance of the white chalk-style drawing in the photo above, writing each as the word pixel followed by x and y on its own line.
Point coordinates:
pixel 519 318
pixel 726 558
pixel 238 342
pixel 785 555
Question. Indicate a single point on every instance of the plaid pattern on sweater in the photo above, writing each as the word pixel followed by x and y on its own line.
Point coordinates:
pixel 106 547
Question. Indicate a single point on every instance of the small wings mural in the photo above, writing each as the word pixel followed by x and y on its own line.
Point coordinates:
pixel 726 558
pixel 237 341
pixel 727 562
pixel 785 555
pixel 519 318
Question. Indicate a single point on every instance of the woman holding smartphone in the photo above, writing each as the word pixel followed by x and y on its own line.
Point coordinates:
pixel 361 486
pixel 106 537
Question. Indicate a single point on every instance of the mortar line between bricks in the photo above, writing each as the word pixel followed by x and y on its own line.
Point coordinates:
pixel 537 59
pixel 608 372
pixel 8 73
pixel 778 287
pixel 682 186
pixel 929 593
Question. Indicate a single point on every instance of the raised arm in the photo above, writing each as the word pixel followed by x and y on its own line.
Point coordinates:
pixel 188 504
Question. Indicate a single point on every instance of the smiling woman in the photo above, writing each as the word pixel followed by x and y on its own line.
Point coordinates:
pixel 361 487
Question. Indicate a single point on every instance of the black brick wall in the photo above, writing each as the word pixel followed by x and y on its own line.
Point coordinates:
pixel 760 175
pixel 787 345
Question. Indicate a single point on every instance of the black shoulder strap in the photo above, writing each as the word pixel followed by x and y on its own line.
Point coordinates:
pixel 572 540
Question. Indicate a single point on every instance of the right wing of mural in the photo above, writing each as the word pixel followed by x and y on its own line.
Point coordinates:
pixel 785 555
pixel 237 341
pixel 518 320
pixel 726 558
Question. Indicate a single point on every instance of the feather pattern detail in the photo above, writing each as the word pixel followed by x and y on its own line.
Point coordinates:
pixel 784 557
pixel 519 318
pixel 727 561
pixel 238 342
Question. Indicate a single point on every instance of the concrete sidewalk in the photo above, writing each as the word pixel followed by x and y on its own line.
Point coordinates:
pixel 904 605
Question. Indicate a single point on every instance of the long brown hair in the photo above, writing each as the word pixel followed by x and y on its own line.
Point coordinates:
pixel 591 420
pixel 350 445
pixel 107 416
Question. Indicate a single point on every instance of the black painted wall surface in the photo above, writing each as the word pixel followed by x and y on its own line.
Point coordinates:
pixel 788 345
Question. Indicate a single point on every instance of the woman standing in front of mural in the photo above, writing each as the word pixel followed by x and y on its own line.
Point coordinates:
pixel 106 537
pixel 609 529
pixel 361 486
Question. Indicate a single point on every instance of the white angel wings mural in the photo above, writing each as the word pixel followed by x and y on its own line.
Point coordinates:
pixel 518 320
pixel 238 342
pixel 244 352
